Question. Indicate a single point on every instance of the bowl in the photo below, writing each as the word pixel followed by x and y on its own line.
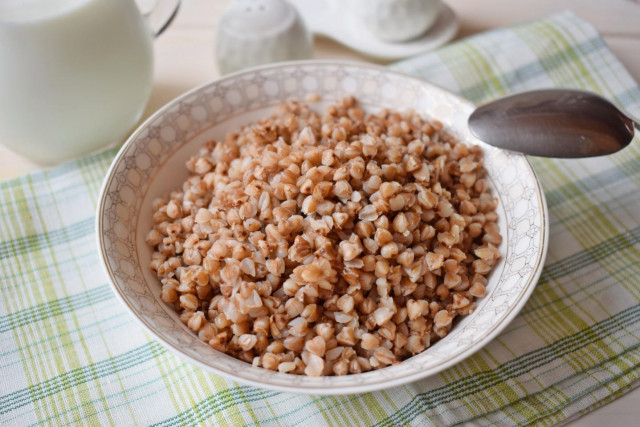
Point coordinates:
pixel 151 164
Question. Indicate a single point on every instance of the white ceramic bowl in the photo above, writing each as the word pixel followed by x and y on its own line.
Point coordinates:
pixel 151 163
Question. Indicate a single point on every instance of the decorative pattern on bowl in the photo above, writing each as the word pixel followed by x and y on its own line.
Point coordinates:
pixel 151 163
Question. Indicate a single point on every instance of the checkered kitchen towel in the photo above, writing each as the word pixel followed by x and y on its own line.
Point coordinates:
pixel 70 353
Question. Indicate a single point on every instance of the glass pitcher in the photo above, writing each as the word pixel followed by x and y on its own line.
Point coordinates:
pixel 75 75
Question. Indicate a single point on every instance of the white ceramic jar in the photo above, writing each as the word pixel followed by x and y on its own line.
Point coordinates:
pixel 75 75
pixel 397 20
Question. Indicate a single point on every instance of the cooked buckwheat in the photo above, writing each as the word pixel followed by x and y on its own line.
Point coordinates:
pixel 327 244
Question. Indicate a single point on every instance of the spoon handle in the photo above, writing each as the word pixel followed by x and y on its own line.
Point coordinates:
pixel 635 123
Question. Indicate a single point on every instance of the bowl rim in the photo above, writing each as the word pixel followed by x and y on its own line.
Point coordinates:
pixel 319 389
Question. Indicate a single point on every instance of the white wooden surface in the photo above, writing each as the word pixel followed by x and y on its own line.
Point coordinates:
pixel 184 58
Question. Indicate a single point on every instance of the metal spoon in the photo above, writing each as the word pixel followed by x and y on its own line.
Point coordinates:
pixel 554 123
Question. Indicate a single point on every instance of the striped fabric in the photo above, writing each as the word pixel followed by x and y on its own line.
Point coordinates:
pixel 69 353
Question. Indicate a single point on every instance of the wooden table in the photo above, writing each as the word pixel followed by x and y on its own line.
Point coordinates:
pixel 184 58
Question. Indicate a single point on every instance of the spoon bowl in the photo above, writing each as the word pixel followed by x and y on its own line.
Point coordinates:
pixel 562 123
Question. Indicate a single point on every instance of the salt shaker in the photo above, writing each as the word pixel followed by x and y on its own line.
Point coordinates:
pixel 397 20
pixel 255 32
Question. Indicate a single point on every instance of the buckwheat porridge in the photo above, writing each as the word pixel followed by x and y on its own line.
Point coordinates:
pixel 327 244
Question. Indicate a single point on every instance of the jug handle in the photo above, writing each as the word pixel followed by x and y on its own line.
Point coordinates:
pixel 160 14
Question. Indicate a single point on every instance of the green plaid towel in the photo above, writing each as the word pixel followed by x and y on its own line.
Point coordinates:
pixel 70 353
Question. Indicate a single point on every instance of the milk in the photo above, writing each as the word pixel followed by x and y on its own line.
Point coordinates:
pixel 25 10
pixel 74 75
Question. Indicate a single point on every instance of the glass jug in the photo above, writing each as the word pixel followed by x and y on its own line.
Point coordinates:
pixel 75 75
